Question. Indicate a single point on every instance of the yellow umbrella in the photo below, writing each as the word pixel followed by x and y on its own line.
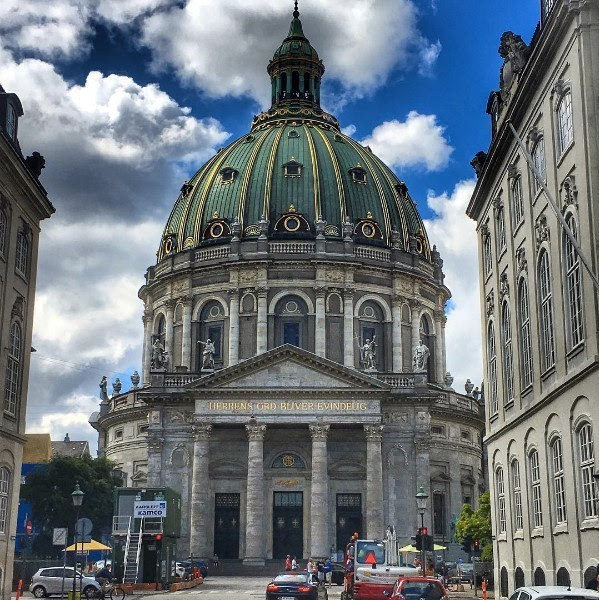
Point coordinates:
pixel 88 546
pixel 410 548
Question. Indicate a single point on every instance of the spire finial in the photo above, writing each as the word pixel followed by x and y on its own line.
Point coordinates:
pixel 296 11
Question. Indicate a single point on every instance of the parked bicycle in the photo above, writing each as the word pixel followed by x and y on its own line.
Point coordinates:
pixel 114 591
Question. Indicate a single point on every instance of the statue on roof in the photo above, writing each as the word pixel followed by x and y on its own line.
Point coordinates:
pixel 514 52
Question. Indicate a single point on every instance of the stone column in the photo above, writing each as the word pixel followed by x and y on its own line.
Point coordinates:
pixel 262 325
pixel 348 328
pixel 374 482
pixel 233 327
pixel 254 532
pixel 439 367
pixel 415 306
pixel 147 350
pixel 200 492
pixel 443 355
pixel 186 334
pixel 320 329
pixel 155 443
pixel 423 474
pixel 168 334
pixel 397 349
pixel 319 497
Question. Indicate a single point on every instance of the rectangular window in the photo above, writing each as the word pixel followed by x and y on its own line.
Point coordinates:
pixel 215 334
pixel 142 428
pixel 437 430
pixel 291 333
pixel 12 386
pixel 466 436
pixel 439 514
pixel 487 254
pixel 535 484
pixel 518 521
pixel 11 122
pixel 118 434
pixel 558 482
pixel 501 522
pixel 22 254
pixel 587 468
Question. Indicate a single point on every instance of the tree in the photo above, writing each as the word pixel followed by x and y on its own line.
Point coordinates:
pixel 476 525
pixel 49 492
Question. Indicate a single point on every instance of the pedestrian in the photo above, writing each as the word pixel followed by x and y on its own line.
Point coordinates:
pixel 294 564
pixel 288 563
pixel 328 571
pixel 215 560
pixel 320 569
pixel 310 568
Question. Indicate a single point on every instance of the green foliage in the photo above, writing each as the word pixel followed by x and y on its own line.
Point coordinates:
pixel 49 491
pixel 476 525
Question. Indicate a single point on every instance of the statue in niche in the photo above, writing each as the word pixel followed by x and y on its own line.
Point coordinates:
pixel 159 355
pixel 208 353
pixel 368 354
pixel 420 358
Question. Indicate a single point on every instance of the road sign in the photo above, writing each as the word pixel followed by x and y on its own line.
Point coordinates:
pixel 59 536
pixel 29 528
pixel 83 527
pixel 149 508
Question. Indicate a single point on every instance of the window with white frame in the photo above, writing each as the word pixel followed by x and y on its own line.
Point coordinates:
pixel 487 254
pixel 565 129
pixel 546 310
pixel 535 489
pixel 22 253
pixel 517 494
pixel 501 241
pixel 525 339
pixel 559 492
pixel 500 488
pixel 492 358
pixel 3 230
pixel 13 370
pixel 587 468
pixel 4 496
pixel 573 286
pixel 538 158
pixel 508 357
pixel 517 201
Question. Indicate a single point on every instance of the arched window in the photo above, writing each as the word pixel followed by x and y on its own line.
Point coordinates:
pixel 559 492
pixel 492 359
pixel 589 575
pixel 563 577
pixel 487 254
pixel 211 327
pixel 587 468
pixel 517 496
pixel 539 577
pixel 501 241
pixel 295 82
pixel 519 578
pixel 573 286
pixel 508 366
pixel 428 339
pixel 536 509
pixel 565 129
pixel 503 582
pixel 546 309
pixel 500 491
pixel 518 201
pixel 4 496
pixel 371 327
pixel 291 326
pixel 22 253
pixel 13 370
pixel 161 329
pixel 3 231
pixel 538 157
pixel 525 340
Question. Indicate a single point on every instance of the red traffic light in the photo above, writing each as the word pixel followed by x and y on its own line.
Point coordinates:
pixel 158 537
pixel 424 530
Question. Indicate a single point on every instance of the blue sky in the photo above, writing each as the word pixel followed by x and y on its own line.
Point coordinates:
pixel 126 98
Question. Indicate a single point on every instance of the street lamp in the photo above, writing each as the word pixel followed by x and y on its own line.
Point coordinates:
pixel 421 502
pixel 77 496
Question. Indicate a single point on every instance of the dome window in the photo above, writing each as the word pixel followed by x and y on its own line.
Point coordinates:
pixel 293 134
pixel 169 245
pixel 293 168
pixel 228 175
pixel 248 139
pixel 358 174
pixel 216 228
pixel 338 138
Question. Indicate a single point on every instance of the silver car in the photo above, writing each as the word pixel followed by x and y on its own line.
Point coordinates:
pixel 49 581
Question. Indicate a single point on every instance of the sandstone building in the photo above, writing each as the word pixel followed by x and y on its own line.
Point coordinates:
pixel 541 308
pixel 294 385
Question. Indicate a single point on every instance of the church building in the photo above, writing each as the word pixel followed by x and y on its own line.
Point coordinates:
pixel 294 385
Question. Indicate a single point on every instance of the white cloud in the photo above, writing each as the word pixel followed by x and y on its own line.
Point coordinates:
pixel 428 55
pixel 455 236
pixel 349 130
pixel 418 141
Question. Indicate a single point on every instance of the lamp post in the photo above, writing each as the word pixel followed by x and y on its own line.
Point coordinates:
pixel 77 496
pixel 421 502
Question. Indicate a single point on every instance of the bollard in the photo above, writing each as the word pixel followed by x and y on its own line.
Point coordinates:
pixel 484 589
pixel 19 586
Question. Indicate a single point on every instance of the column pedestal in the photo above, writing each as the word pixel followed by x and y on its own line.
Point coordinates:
pixel 319 498
pixel 255 525
pixel 200 493
pixel 374 482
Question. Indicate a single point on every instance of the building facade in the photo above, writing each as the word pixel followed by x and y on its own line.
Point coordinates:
pixel 23 204
pixel 294 383
pixel 541 318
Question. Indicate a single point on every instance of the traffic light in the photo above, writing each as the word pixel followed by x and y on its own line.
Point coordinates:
pixel 467 545
pixel 424 530
pixel 427 543
pixel 476 545
pixel 418 543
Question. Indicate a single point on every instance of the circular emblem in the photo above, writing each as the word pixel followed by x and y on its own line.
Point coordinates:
pixel 368 230
pixel 216 230
pixel 419 246
pixel 214 311
pixel 288 460
pixel 168 245
pixel 369 312
pixel 291 306
pixel 291 224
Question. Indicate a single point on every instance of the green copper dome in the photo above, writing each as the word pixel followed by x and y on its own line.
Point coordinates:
pixel 295 175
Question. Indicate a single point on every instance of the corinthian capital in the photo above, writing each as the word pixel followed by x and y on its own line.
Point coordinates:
pixel 255 432
pixel 201 431
pixel 319 432
pixel 374 433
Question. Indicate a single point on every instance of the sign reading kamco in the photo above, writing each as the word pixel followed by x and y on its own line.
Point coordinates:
pixel 293 407
pixel 149 508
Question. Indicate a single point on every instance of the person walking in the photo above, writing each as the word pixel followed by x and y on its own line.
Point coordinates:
pixel 320 569
pixel 288 563
pixel 294 564
pixel 328 572
pixel 310 568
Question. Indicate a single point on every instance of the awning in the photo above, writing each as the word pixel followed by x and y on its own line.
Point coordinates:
pixel 410 548
pixel 88 547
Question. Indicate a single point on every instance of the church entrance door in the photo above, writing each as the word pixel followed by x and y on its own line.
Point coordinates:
pixel 288 524
pixel 226 525
pixel 349 518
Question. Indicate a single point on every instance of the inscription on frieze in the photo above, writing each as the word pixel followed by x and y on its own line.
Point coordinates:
pixel 311 407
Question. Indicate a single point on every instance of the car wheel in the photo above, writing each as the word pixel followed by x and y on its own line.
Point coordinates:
pixel 90 592
pixel 39 591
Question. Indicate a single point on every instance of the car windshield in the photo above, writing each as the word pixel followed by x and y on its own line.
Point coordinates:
pixel 291 578
pixel 369 553
pixel 467 567
pixel 422 589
